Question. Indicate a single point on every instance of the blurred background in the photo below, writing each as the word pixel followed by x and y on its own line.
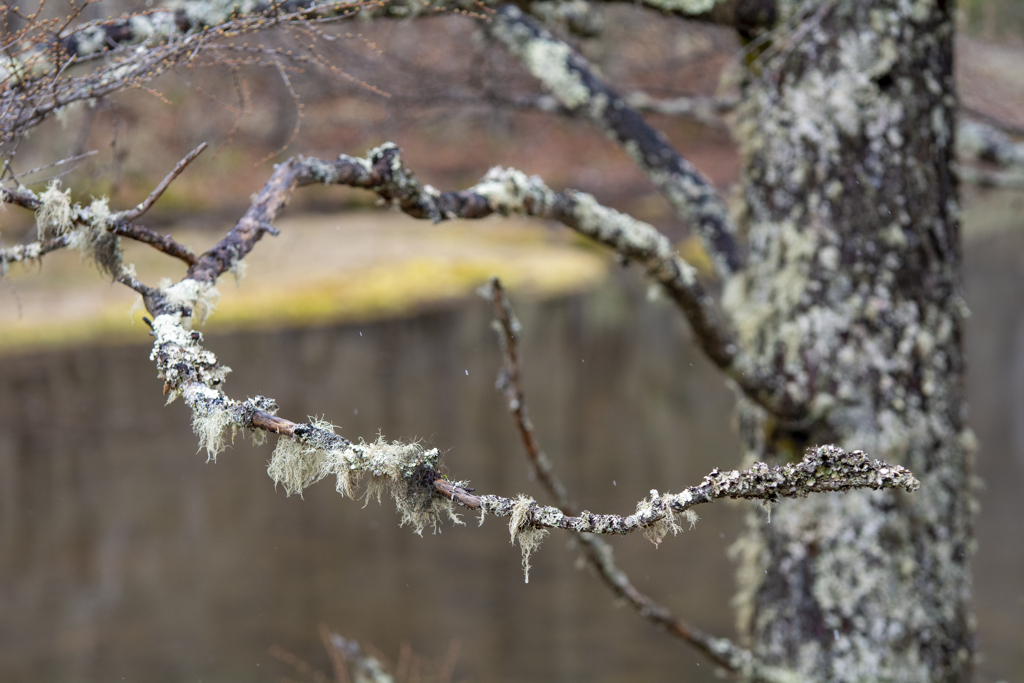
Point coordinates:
pixel 125 556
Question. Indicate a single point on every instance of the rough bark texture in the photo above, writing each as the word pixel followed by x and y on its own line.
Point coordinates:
pixel 853 294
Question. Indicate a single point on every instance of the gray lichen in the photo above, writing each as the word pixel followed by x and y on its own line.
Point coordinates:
pixel 53 217
pixel 853 296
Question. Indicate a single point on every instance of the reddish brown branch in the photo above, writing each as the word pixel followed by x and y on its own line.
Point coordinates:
pixel 164 184
pixel 162 242
pixel 509 381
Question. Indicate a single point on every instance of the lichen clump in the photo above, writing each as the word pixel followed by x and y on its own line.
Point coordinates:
pixel 53 217
pixel 403 470
pixel 521 529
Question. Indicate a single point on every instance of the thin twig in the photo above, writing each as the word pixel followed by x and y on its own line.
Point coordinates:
pixel 510 382
pixel 164 184
pixel 55 163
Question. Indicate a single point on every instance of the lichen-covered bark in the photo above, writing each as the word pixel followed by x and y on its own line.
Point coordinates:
pixel 853 295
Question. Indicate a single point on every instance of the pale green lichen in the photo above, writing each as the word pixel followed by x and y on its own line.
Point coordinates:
pixel 94 241
pixel 836 130
pixel 522 531
pixel 296 465
pixel 53 217
pixel 210 424
pixel 199 297
pixel 401 470
pixel 547 60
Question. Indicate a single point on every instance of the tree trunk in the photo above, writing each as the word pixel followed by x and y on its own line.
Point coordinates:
pixel 854 295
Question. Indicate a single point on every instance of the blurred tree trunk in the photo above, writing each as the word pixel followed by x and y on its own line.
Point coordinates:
pixel 853 294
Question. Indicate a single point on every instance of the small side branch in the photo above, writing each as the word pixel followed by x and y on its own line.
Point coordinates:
pixel 509 382
pixel 88 227
pixel 569 78
pixel 159 241
pixel 21 197
pixel 980 141
pixel 164 184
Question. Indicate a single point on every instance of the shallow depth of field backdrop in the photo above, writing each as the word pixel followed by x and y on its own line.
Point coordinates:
pixel 125 556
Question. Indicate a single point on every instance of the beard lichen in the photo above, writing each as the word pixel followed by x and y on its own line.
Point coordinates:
pixel 406 471
pixel 520 529
pixel 296 465
pixel 656 532
pixel 210 422
pixel 95 241
pixel 199 297
pixel 53 217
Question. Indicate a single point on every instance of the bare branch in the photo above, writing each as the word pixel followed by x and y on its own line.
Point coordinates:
pixel 978 141
pixel 61 162
pixel 597 551
pixel 989 178
pixel 162 242
pixel 37 85
pixel 367 668
pixel 509 382
pixel 164 184
pixel 568 77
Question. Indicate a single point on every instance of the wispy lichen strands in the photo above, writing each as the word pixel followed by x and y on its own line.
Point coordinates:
pixel 523 531
pixel 53 217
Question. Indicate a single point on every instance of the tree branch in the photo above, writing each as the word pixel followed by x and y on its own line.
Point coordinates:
pixel 308 452
pixel 505 191
pixel 144 206
pixel 509 382
pixel 825 469
pixel 30 252
pixel 410 473
pixel 568 77
pixel 159 241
